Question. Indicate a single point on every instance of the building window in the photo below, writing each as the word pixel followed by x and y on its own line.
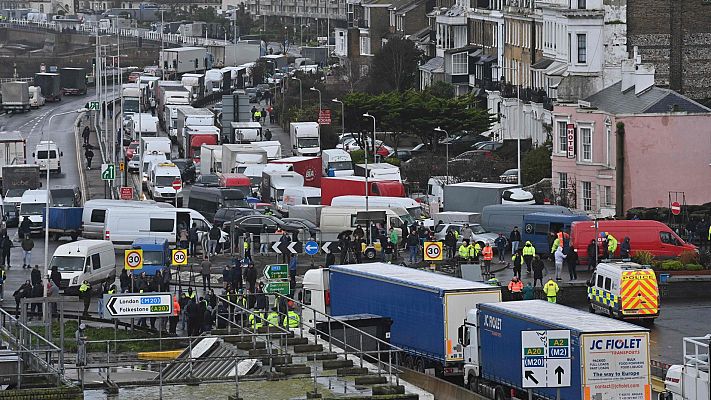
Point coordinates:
pixel 582 48
pixel 587 196
pixel 459 64
pixel 365 45
pixel 586 138
pixel 582 5
pixel 607 192
pixel 562 136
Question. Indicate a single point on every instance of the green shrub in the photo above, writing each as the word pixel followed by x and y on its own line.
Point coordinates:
pixel 693 267
pixel 643 257
pixel 689 257
pixel 393 161
pixel 672 265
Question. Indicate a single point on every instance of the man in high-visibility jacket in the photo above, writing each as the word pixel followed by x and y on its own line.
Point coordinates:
pixel 611 245
pixel 256 320
pixel 528 252
pixel 292 319
pixel 551 290
pixel 476 252
pixel 516 288
pixel 488 254
pixel 190 295
pixel 85 294
pixel 464 251
pixel 273 318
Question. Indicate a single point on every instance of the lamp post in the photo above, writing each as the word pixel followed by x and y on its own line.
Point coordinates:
pixel 46 211
pixel 367 115
pixel 446 142
pixel 319 99
pixel 301 95
pixel 343 115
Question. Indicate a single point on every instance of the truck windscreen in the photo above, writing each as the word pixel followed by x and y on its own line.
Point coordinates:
pixel 67 264
pixel 307 143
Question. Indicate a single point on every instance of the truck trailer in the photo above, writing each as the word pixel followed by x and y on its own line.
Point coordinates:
pixel 15 96
pixel 49 84
pixel 180 60
pixel 474 196
pixel 308 167
pixel 517 346
pixel 427 309
pixel 235 154
pixel 355 185
pixel 73 81
pixel 13 152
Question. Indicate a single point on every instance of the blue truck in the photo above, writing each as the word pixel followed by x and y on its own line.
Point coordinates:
pixel 156 254
pixel 537 228
pixel 427 309
pixel 512 346
pixel 64 221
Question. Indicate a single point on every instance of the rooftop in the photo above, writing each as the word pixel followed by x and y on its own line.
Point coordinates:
pixel 654 100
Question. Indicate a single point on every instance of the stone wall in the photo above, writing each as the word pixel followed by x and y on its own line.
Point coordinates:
pixel 675 36
pixel 62 393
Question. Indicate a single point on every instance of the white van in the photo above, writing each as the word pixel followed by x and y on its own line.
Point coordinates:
pixel 301 195
pixel 435 190
pixel 32 205
pixel 336 162
pixel 335 220
pixel 47 155
pixel 160 182
pixel 36 99
pixel 415 209
pixel 90 260
pixel 148 159
pixel 94 214
pixel 124 224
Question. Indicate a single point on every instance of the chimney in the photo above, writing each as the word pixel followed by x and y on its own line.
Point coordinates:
pixel 643 77
pixel 628 74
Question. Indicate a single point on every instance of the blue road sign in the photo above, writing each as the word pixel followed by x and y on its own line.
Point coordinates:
pixel 311 248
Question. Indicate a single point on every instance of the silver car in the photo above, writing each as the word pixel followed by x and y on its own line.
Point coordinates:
pixel 479 234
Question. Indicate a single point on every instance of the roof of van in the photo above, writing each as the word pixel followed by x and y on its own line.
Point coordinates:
pixel 486 185
pixel 34 194
pixel 551 209
pixel 554 216
pixel 559 316
pixel 622 266
pixel 81 246
pixel 410 276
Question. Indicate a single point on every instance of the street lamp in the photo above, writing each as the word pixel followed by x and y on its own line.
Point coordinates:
pixel 46 211
pixel 365 146
pixel 446 143
pixel 319 99
pixel 301 96
pixel 367 115
pixel 343 115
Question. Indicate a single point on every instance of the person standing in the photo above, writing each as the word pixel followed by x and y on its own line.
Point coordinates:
pixel 500 243
pixel 464 251
pixel 124 281
pixel 80 338
pixel 559 258
pixel 293 266
pixel 488 255
pixel 528 252
pixel 247 249
pixel 205 267
pixel 528 291
pixel 467 233
pixel 625 248
pixel 551 290
pixel 538 268
pixel 85 135
pixel 515 239
pixel 89 154
pixel 394 240
pixel 250 277
pixel 450 241
pixel 517 263
pixel 55 276
pixel 412 245
pixel 515 288
pixel 6 246
pixel 27 245
pixel 24 228
pixel 3 276
pixel 226 277
pixel 214 237
pixel 85 295
pixel 193 240
pixel 592 255
pixel 36 276
pixel 184 238
pixel 571 259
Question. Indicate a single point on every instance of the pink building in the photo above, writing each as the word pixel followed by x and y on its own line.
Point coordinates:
pixel 666 148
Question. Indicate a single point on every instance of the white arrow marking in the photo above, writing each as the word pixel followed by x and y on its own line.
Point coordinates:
pixel 275 247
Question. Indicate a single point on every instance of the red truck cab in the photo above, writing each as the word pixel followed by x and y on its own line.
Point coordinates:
pixel 355 185
pixel 196 141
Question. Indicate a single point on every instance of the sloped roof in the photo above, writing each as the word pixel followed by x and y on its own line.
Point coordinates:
pixel 653 100
pixel 435 64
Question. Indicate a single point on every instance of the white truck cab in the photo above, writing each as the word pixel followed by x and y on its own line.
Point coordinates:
pixel 160 182
pixel 690 381
pixel 36 98
pixel 47 155
pixel 148 159
pixel 316 294
pixel 31 206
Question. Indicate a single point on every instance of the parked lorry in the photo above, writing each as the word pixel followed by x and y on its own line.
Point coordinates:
pixel 170 93
pixel 13 152
pixel 308 167
pixel 133 98
pixel 690 380
pixel 191 116
pixel 180 60
pixel 15 96
pixel 474 196
pixel 246 132
pixel 143 125
pixel 513 346
pixel 274 183
pixel 235 154
pixel 73 81
pixel 355 185
pixel 36 98
pixel 427 309
pixel 198 136
pixel 49 84
pixel 305 138
pixel 195 84
pixel 336 162
pixel 64 221
pixel 210 159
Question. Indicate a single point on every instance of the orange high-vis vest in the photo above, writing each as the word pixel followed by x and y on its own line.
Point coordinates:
pixel 488 253
pixel 515 287
pixel 176 306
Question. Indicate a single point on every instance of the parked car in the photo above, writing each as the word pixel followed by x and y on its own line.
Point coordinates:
pixel 479 234
pixel 509 176
pixel 131 149
pixel 470 155
pixel 252 93
pixel 228 214
pixel 187 169
pixel 257 224
pixel 487 145
pixel 312 228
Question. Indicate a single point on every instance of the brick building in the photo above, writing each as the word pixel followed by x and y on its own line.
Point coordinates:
pixel 674 36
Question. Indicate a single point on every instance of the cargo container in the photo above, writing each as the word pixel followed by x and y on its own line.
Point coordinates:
pixel 355 185
pixel 427 309
pixel 64 221
pixel 609 359
pixel 235 154
pixel 308 167
pixel 180 60
pixel 73 81
pixel 49 85
pixel 15 96
pixel 474 196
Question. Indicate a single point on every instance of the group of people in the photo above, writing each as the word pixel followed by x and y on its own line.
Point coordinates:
pixel 352 243
pixel 263 114
pixel 33 288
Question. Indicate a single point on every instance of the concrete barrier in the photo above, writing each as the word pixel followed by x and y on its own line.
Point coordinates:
pixel 441 389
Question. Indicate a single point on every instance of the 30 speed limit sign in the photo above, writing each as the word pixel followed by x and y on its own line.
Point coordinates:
pixel 433 251
pixel 133 259
pixel 180 257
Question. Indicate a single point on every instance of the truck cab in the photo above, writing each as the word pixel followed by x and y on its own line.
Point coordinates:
pixel 160 182
pixel 47 156
pixel 156 254
pixel 36 99
pixel 316 294
pixel 32 205
pixel 690 381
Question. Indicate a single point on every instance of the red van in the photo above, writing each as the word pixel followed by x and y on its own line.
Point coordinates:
pixel 652 236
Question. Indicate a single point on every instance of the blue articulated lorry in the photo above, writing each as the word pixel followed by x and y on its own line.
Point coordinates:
pixel 513 347
pixel 427 309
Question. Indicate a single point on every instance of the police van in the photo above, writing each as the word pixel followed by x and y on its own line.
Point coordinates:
pixel 624 290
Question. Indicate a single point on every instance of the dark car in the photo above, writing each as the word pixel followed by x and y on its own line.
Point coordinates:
pixel 509 176
pixel 306 225
pixel 65 196
pixel 488 146
pixel 208 180
pixel 252 94
pixel 262 88
pixel 257 224
pixel 228 214
pixel 187 169
pixel 407 154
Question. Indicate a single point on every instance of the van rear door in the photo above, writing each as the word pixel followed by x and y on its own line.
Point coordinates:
pixel 639 293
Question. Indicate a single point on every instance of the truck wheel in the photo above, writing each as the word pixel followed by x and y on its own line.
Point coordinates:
pixel 74 236
pixel 472 383
pixel 591 308
pixel 370 253
pixel 420 365
pixel 499 393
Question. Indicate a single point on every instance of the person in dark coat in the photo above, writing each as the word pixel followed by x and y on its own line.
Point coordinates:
pixel 625 248
pixel 25 290
pixel 6 245
pixel 89 154
pixel 24 228
pixel 261 302
pixel 38 293
pixel 36 275
pixel 165 286
pixel 236 277
pixel 250 276
pixel 125 281
pixel 450 241
pixel 55 276
pixel 571 259
pixel 538 268
pixel 224 315
pixel 226 277
pixel 592 255
pixel 193 240
pixel 191 312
